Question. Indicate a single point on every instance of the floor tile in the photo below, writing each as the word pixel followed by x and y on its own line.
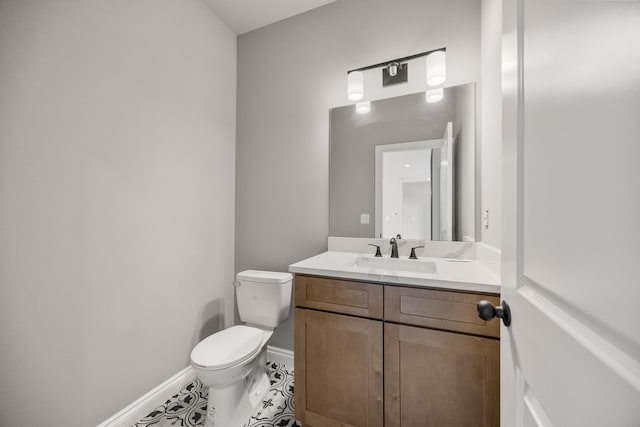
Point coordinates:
pixel 189 406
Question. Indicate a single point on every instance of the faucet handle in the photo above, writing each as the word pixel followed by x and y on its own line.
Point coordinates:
pixel 413 252
pixel 378 253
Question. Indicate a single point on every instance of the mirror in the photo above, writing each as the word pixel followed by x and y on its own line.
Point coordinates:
pixel 407 167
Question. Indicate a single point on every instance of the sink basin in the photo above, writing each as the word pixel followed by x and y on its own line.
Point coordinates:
pixel 406 265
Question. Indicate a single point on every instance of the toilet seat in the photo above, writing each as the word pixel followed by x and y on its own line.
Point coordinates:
pixel 226 348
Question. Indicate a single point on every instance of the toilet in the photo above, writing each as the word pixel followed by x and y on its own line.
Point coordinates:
pixel 232 362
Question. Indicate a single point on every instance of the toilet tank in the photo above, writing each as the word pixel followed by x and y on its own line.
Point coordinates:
pixel 263 297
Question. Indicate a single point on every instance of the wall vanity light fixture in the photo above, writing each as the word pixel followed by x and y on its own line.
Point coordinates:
pixel 396 71
pixel 355 85
pixel 436 68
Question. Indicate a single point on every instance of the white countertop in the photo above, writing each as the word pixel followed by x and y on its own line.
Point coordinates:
pixel 458 274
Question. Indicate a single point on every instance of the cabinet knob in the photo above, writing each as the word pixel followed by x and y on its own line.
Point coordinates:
pixel 488 311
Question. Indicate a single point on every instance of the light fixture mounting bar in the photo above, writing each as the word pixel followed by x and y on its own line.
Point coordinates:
pixel 399 60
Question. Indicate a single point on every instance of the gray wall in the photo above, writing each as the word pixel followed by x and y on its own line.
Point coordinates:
pixel 117 153
pixel 289 75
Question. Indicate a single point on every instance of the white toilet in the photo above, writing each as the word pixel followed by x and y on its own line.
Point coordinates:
pixel 232 362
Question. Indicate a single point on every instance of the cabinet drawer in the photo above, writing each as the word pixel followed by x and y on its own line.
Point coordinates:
pixel 452 311
pixel 339 296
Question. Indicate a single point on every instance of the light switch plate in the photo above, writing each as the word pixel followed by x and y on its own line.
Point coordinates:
pixel 364 218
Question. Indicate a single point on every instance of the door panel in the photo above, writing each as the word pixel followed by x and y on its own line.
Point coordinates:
pixel 532 413
pixel 581 148
pixel 571 132
pixel 571 371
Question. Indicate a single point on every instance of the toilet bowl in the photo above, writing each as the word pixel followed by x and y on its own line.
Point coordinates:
pixel 232 362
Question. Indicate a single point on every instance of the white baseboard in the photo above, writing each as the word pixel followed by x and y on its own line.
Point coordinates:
pixel 156 397
pixel 280 356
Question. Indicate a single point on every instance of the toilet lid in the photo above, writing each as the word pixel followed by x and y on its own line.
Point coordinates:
pixel 227 348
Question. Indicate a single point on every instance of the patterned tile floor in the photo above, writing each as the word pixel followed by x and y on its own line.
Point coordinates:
pixel 188 408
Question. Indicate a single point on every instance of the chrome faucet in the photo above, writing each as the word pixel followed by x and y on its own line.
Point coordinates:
pixel 394 248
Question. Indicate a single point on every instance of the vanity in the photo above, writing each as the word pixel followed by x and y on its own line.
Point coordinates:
pixel 379 342
pixel 393 341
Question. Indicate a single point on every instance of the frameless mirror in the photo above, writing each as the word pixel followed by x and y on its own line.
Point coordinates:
pixel 407 167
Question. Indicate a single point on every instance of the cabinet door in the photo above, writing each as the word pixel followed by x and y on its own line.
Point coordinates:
pixel 338 368
pixel 436 378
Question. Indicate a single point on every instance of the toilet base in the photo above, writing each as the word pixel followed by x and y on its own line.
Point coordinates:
pixel 233 406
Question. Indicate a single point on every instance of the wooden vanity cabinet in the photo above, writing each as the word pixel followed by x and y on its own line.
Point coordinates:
pixel 439 360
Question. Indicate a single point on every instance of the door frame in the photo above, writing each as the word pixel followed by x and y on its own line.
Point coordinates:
pixel 512 186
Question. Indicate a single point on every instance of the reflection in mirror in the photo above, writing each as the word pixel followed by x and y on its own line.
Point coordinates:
pixel 407 167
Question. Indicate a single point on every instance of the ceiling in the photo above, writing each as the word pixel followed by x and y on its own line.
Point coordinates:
pixel 247 15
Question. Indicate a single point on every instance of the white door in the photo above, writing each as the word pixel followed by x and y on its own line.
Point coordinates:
pixel 571 251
